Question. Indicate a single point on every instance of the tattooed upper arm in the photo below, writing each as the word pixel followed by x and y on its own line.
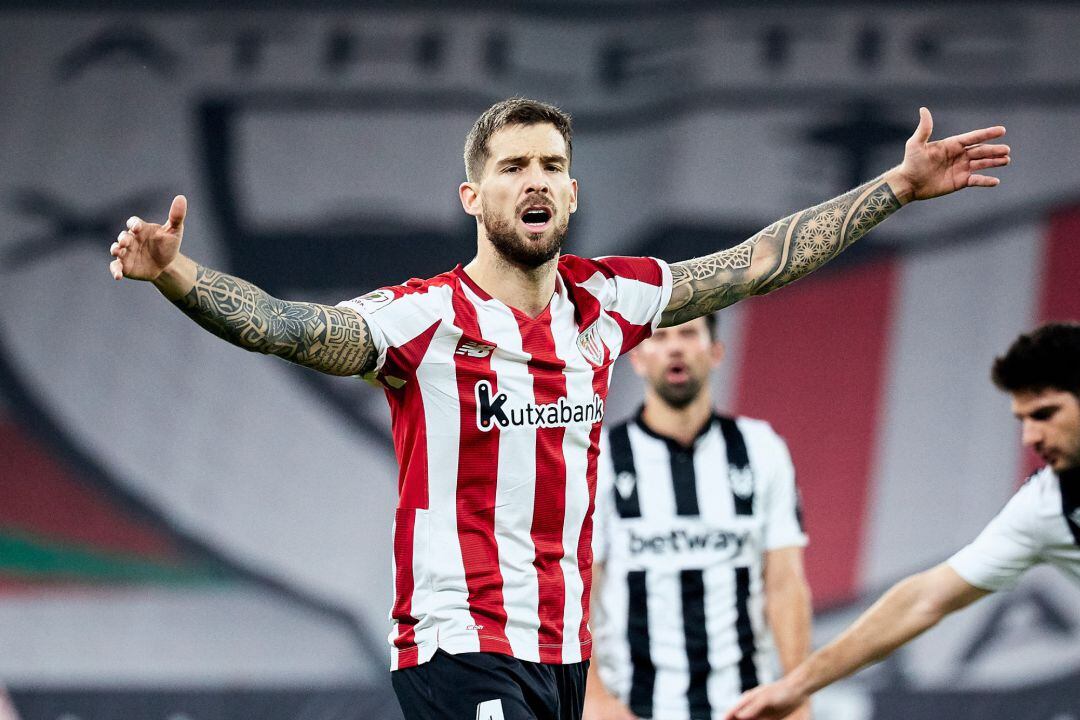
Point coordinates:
pixel 777 255
pixel 329 339
pixel 337 341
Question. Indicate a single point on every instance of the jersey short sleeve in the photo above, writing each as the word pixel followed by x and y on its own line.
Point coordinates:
pixel 1005 548
pixel 366 305
pixel 783 510
pixel 604 508
pixel 636 294
pixel 396 315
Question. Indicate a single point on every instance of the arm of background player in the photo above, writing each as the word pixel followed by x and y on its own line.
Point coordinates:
pixel 328 339
pixel 600 704
pixel 803 242
pixel 787 609
pixel 910 607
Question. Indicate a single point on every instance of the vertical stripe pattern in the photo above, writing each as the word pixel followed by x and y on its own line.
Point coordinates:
pixel 692 583
pixel 682 607
pixel 684 480
pixel 643 674
pixel 744 629
pixel 739 470
pixel 627 502
pixel 585 551
pixel 478 458
pixel 549 386
pixel 496 418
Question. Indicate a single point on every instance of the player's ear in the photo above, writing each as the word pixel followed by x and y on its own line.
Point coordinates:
pixel 470 198
pixel 636 362
pixel 719 350
pixel 573 195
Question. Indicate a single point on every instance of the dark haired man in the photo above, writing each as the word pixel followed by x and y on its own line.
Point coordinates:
pixel 1041 524
pixel 699 592
pixel 496 374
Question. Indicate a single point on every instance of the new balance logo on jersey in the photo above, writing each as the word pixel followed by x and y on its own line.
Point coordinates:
pixel 685 541
pixel 474 349
pixel 493 410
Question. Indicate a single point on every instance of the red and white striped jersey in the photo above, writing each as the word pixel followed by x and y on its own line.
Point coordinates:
pixel 496 422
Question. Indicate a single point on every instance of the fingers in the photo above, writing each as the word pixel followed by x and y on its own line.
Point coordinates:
pixel 988 163
pixel 983 181
pixel 979 136
pixel 177 212
pixel 976 152
pixel 735 712
pixel 118 250
pixel 123 243
pixel 925 128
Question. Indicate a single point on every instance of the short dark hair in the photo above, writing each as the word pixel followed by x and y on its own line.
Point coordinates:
pixel 513 111
pixel 1046 358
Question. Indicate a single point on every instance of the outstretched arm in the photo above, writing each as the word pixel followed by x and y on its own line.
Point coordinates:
pixel 803 242
pixel 329 339
pixel 910 607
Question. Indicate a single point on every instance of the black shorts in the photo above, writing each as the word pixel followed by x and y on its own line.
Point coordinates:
pixel 490 686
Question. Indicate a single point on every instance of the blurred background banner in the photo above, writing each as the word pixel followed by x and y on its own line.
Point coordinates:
pixel 190 531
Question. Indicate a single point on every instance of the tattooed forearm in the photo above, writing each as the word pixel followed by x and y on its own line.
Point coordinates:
pixel 779 254
pixel 325 338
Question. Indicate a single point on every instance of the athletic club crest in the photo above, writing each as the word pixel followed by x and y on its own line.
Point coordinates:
pixel 591 346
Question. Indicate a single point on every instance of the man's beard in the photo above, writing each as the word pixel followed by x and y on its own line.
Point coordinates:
pixel 678 396
pixel 509 244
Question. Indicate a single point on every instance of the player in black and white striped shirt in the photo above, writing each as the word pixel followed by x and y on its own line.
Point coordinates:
pixel 698 547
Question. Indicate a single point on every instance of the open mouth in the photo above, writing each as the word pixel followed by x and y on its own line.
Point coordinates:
pixel 536 218
pixel 677 373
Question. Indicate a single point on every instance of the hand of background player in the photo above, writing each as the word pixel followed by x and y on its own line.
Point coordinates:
pixel 604 706
pixel 145 249
pixel 933 168
pixel 770 702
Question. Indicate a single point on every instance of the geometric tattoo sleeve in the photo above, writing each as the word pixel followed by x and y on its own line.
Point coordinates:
pixel 329 339
pixel 777 255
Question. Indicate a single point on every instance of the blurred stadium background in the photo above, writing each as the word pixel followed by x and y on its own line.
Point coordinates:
pixel 191 532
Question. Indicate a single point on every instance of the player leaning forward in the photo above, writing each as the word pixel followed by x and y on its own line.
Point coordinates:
pixel 496 374
pixel 1040 524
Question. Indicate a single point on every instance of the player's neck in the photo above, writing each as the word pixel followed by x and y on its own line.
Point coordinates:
pixel 526 289
pixel 683 425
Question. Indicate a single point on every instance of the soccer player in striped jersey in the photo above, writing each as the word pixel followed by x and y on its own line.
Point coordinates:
pixel 698 540
pixel 496 373
pixel 1040 524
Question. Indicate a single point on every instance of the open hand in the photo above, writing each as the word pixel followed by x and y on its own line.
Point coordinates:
pixel 145 249
pixel 933 168
pixel 769 702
